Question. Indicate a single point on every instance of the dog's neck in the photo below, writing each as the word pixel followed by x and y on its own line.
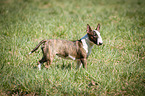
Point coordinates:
pixel 87 44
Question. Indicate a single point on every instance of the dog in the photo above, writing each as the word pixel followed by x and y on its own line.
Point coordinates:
pixel 78 50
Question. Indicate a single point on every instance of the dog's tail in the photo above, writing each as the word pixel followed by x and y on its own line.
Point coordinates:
pixel 41 42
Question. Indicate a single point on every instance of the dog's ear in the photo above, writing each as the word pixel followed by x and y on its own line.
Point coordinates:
pixel 98 28
pixel 88 28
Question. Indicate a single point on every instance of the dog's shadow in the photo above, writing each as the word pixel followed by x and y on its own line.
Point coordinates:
pixel 66 66
pixel 63 66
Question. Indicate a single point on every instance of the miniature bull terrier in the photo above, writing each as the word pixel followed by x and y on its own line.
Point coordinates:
pixel 78 50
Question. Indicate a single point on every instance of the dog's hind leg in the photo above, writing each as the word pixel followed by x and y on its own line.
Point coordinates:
pixel 50 54
pixel 49 60
pixel 41 62
pixel 84 62
pixel 79 64
pixel 39 66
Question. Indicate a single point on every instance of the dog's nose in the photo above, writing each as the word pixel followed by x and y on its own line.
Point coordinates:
pixel 100 43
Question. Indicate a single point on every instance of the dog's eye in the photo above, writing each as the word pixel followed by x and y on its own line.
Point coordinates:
pixel 95 34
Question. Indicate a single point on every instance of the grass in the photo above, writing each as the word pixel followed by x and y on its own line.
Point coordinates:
pixel 115 68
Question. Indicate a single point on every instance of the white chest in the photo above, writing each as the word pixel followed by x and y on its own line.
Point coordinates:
pixel 86 45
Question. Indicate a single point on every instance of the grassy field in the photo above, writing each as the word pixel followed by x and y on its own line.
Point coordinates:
pixel 115 68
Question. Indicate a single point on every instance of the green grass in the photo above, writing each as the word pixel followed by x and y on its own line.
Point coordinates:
pixel 115 68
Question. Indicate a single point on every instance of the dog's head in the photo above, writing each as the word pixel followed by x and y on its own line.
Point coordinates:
pixel 94 35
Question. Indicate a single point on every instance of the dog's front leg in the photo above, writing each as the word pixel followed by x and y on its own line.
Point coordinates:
pixel 79 64
pixel 84 62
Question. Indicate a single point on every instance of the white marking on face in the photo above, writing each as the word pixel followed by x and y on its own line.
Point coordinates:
pixel 99 37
